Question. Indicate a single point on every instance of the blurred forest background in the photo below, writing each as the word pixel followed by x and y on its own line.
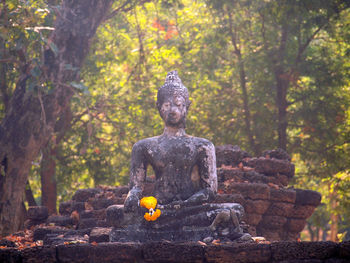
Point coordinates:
pixel 261 75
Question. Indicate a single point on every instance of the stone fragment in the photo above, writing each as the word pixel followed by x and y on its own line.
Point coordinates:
pixel 102 203
pixel 307 197
pixel 78 206
pixel 100 234
pixel 283 195
pixel 41 232
pixel 256 206
pixel 97 214
pixel 65 208
pixel 277 154
pixel 121 190
pixel 60 220
pixel 250 191
pixel 272 222
pixel 295 225
pixel 83 195
pixel 247 252
pixel 229 155
pixel 272 166
pixel 280 209
pixel 114 215
pixel 37 212
pixel 87 223
pixel 302 211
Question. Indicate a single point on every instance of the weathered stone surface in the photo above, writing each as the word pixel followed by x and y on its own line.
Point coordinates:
pixel 65 208
pixel 97 214
pixel 37 212
pixel 272 166
pixel 10 255
pixel 172 252
pixel 248 252
pixel 120 190
pixel 87 223
pixel 307 197
pixel 270 234
pixel 273 222
pixel 39 254
pixel 251 191
pixel 277 154
pixel 303 250
pixel 114 215
pixel 41 232
pixel 229 198
pixel 100 234
pixel 252 219
pixel 102 203
pixel 75 253
pixel 153 235
pixel 256 206
pixel 78 206
pixel 283 195
pixel 60 220
pixel 82 195
pixel 280 209
pixel 344 250
pixel 295 225
pixel 117 253
pixel 229 155
pixel 302 211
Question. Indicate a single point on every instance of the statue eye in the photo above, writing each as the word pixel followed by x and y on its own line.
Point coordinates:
pixel 166 105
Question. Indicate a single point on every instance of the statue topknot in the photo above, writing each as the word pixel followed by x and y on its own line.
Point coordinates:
pixel 172 86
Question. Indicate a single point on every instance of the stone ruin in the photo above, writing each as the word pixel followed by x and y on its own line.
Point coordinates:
pixel 272 209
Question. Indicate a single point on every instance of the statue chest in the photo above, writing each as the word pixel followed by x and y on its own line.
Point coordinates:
pixel 174 156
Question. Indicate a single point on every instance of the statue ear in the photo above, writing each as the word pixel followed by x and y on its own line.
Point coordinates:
pixel 188 104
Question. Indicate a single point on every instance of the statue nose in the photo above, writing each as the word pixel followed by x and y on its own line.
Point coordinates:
pixel 174 110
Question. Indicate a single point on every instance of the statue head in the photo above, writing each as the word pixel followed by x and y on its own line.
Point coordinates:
pixel 173 101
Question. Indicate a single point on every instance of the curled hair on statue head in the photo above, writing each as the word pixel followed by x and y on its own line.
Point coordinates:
pixel 172 87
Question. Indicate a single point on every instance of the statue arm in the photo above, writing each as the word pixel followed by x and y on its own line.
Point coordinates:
pixel 137 177
pixel 208 176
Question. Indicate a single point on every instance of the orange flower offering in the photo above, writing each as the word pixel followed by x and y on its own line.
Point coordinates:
pixel 150 203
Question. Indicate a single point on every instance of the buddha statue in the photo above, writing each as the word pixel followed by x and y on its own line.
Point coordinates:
pixel 185 180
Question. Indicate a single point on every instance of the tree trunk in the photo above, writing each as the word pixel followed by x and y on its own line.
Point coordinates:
pixel 48 180
pixel 31 117
pixel 48 164
pixel 282 85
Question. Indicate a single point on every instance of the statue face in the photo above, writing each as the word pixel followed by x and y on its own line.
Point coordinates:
pixel 173 111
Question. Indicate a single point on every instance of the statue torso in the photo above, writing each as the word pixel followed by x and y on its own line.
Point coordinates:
pixel 176 162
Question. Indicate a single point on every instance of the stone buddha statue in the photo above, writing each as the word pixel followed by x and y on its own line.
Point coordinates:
pixel 185 179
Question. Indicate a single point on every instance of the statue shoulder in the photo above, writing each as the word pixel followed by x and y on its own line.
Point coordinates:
pixel 145 143
pixel 203 143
